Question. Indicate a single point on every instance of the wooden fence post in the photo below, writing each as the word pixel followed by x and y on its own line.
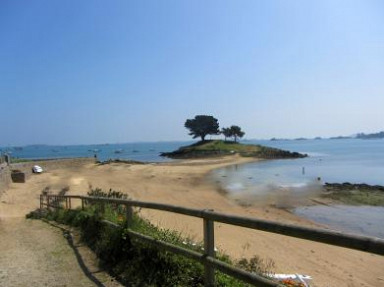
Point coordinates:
pixel 209 250
pixel 129 214
pixel 82 203
pixel 41 204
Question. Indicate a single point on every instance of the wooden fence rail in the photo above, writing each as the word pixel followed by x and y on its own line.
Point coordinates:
pixel 362 243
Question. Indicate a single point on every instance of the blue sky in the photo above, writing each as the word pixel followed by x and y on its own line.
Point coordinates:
pixel 78 72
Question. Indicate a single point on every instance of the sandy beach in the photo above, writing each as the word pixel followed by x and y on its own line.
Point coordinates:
pixel 185 183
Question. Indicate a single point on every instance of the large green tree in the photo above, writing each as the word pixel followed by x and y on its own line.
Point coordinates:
pixel 202 125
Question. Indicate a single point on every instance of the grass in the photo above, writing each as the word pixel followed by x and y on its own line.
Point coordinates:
pixel 224 146
pixel 19 160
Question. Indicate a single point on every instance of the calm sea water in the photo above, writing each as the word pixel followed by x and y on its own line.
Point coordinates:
pixel 147 152
pixel 349 160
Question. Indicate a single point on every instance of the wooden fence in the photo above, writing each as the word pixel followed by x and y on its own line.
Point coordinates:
pixel 207 258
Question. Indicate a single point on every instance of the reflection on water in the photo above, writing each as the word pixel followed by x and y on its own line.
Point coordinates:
pixel 362 220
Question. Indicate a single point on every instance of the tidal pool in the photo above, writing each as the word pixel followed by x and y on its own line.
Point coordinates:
pixel 361 220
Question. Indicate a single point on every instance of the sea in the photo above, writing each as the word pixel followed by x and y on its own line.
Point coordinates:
pixel 329 160
pixel 332 161
pixel 139 151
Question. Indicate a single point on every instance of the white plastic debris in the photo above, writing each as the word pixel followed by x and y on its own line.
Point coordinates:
pixel 297 277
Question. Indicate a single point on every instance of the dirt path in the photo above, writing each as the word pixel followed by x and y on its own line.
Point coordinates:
pixel 36 253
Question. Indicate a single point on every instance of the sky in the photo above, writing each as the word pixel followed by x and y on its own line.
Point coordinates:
pixel 90 71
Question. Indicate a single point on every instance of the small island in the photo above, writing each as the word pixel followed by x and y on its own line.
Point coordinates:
pixel 212 148
pixel 202 125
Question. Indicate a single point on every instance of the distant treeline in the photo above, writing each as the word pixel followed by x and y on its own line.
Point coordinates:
pixel 379 135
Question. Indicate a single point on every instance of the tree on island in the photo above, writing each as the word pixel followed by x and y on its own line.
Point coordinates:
pixel 202 125
pixel 226 132
pixel 237 132
pixel 232 131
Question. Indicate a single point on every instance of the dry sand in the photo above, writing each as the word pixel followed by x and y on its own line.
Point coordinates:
pixel 185 183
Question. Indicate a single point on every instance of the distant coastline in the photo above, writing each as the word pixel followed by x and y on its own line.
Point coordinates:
pixel 379 135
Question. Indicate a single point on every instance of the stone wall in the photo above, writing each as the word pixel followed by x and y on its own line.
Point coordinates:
pixel 5 177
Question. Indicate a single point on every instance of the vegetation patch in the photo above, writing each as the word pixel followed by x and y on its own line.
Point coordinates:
pixel 355 194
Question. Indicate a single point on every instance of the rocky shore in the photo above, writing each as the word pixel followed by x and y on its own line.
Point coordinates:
pixel 352 186
pixel 355 194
